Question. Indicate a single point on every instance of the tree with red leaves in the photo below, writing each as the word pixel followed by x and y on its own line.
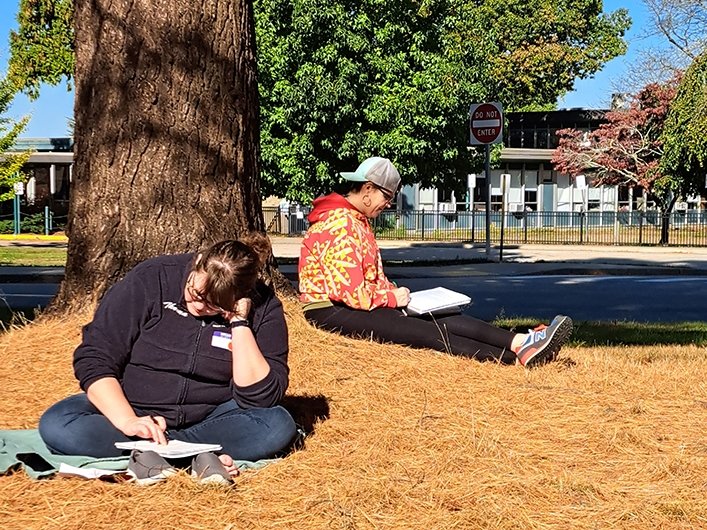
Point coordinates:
pixel 626 150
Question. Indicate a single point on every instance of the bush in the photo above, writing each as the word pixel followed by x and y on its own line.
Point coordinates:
pixel 31 224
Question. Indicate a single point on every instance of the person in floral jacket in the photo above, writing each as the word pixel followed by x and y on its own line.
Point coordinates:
pixel 344 289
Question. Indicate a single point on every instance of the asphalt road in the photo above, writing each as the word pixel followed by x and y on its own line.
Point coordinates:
pixel 616 297
pixel 635 298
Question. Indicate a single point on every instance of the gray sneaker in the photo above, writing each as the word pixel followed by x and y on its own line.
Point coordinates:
pixel 544 342
pixel 206 468
pixel 147 467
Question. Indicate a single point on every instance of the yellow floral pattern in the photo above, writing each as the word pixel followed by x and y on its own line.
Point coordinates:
pixel 340 261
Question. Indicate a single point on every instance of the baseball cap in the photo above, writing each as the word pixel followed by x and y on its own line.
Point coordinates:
pixel 379 171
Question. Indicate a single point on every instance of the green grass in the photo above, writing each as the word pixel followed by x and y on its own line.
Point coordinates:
pixel 32 256
pixel 625 333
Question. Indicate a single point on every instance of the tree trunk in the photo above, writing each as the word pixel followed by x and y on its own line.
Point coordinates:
pixel 664 229
pixel 166 136
pixel 667 205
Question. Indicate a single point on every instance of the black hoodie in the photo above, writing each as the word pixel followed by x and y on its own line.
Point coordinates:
pixel 169 362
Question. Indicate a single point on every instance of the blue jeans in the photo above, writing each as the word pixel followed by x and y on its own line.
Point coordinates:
pixel 74 426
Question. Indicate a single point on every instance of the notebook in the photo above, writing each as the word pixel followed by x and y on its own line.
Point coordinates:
pixel 173 449
pixel 436 301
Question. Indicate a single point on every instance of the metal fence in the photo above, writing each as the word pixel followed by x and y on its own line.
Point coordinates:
pixel 31 221
pixel 686 228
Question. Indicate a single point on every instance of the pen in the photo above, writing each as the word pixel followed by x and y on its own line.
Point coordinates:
pixel 154 420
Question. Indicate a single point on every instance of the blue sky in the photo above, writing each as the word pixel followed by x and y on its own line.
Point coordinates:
pixel 51 112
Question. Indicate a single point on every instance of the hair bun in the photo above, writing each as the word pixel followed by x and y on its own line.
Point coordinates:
pixel 260 243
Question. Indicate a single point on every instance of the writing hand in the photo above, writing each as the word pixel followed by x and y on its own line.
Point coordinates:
pixel 402 296
pixel 148 427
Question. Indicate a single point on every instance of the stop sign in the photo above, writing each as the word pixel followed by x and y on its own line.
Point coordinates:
pixel 485 123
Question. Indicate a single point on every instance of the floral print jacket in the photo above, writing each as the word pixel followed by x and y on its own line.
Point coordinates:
pixel 340 260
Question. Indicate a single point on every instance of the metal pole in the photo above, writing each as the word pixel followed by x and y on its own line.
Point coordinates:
pixel 503 223
pixel 488 201
pixel 16 212
pixel 46 220
pixel 581 227
pixel 473 226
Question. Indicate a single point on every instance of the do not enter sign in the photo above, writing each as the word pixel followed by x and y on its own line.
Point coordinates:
pixel 485 123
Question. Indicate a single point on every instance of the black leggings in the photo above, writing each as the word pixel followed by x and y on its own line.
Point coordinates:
pixel 458 334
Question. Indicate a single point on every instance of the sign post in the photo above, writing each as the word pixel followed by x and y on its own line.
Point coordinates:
pixel 486 128
pixel 19 188
pixel 505 182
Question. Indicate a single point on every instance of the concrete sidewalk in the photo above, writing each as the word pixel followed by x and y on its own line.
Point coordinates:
pixel 517 259
pixel 525 259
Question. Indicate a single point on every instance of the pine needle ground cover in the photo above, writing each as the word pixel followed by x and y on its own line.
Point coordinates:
pixel 607 437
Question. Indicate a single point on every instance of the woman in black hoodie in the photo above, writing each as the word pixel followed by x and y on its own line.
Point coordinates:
pixel 188 347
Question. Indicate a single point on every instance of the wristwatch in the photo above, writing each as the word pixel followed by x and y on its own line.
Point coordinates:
pixel 237 323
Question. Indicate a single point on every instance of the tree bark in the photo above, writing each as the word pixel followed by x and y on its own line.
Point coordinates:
pixel 166 136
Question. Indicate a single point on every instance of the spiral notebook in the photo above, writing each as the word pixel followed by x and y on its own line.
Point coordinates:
pixel 436 301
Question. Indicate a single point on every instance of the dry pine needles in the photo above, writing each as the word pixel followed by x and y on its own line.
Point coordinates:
pixel 402 438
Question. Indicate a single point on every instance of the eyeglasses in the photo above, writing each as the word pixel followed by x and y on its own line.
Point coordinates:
pixel 386 194
pixel 198 296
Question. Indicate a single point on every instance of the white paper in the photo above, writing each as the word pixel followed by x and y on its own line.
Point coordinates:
pixel 173 449
pixel 437 299
pixel 65 470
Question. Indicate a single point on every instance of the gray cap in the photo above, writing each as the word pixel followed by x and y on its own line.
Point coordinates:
pixel 379 171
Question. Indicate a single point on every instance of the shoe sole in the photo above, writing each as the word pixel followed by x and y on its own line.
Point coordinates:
pixel 149 481
pixel 552 347
pixel 212 479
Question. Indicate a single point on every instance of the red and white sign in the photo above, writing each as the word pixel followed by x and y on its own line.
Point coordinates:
pixel 485 123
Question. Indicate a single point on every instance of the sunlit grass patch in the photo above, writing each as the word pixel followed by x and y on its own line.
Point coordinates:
pixel 406 438
pixel 625 333
pixel 33 256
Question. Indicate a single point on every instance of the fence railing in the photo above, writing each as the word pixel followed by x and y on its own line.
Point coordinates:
pixel 32 222
pixel 685 228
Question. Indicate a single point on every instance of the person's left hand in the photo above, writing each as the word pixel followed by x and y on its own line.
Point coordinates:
pixel 241 311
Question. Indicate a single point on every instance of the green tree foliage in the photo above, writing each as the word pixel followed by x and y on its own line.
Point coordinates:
pixel 342 80
pixel 10 163
pixel 42 50
pixel 685 132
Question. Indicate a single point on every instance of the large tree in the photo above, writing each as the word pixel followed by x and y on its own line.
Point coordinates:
pixel 166 137
pixel 685 132
pixel 340 80
pixel 627 149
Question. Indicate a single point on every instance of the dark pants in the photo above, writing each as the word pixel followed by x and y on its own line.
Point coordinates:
pixel 74 426
pixel 457 334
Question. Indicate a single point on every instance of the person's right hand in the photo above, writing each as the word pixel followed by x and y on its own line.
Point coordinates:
pixel 148 427
pixel 402 296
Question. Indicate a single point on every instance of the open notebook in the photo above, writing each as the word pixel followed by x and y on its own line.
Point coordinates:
pixel 436 301
pixel 173 449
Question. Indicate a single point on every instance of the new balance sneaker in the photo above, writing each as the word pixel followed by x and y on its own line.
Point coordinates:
pixel 544 342
pixel 147 467
pixel 206 468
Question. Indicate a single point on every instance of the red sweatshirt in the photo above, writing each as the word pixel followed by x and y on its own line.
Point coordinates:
pixel 340 260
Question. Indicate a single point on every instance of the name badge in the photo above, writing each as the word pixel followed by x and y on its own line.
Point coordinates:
pixel 221 339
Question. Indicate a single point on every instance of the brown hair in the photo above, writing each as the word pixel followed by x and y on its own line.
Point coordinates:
pixel 232 268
